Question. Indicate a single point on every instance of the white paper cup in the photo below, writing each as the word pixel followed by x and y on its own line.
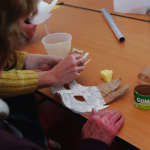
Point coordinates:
pixel 58 44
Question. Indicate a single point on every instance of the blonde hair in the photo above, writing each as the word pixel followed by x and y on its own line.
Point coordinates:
pixel 11 37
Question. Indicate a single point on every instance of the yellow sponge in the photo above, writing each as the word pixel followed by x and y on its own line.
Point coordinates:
pixel 106 75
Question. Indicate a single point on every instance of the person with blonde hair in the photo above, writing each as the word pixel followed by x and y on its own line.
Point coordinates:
pixel 18 82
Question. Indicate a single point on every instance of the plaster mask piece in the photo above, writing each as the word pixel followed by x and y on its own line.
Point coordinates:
pixel 95 96
pixel 91 94
pixel 76 51
pixel 43 10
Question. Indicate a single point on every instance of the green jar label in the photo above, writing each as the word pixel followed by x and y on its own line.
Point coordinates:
pixel 141 102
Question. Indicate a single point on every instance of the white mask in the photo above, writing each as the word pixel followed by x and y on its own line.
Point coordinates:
pixel 91 94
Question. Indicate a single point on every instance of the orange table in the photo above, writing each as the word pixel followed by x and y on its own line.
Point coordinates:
pixel 99 4
pixel 91 33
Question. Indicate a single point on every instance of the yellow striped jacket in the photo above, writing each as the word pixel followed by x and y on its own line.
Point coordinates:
pixel 17 81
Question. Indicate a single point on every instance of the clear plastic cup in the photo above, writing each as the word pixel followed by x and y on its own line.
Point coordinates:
pixel 58 44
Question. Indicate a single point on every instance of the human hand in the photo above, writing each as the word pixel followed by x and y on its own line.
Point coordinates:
pixel 40 62
pixel 103 126
pixel 68 69
pixel 29 29
pixel 65 71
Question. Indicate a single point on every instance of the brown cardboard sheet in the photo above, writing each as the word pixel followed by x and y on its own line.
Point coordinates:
pixel 144 75
pixel 109 90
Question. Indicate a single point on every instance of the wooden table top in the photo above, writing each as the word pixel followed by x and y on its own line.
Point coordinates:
pixel 99 4
pixel 91 33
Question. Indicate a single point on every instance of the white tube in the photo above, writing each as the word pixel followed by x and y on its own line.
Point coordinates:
pixel 46 29
pixel 112 24
pixel 85 55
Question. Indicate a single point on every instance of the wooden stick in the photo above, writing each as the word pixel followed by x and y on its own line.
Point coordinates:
pixel 87 62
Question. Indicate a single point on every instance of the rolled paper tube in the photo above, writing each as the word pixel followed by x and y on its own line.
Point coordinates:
pixel 46 29
pixel 85 55
pixel 112 24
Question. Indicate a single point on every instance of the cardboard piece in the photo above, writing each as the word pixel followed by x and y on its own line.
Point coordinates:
pixel 115 94
pixel 106 88
pixel 109 92
pixel 144 75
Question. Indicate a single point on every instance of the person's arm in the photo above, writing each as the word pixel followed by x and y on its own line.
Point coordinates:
pixel 17 82
pixel 40 62
pixel 20 60
pixel 64 72
pixel 101 128
pixel 20 82
pixel 55 71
